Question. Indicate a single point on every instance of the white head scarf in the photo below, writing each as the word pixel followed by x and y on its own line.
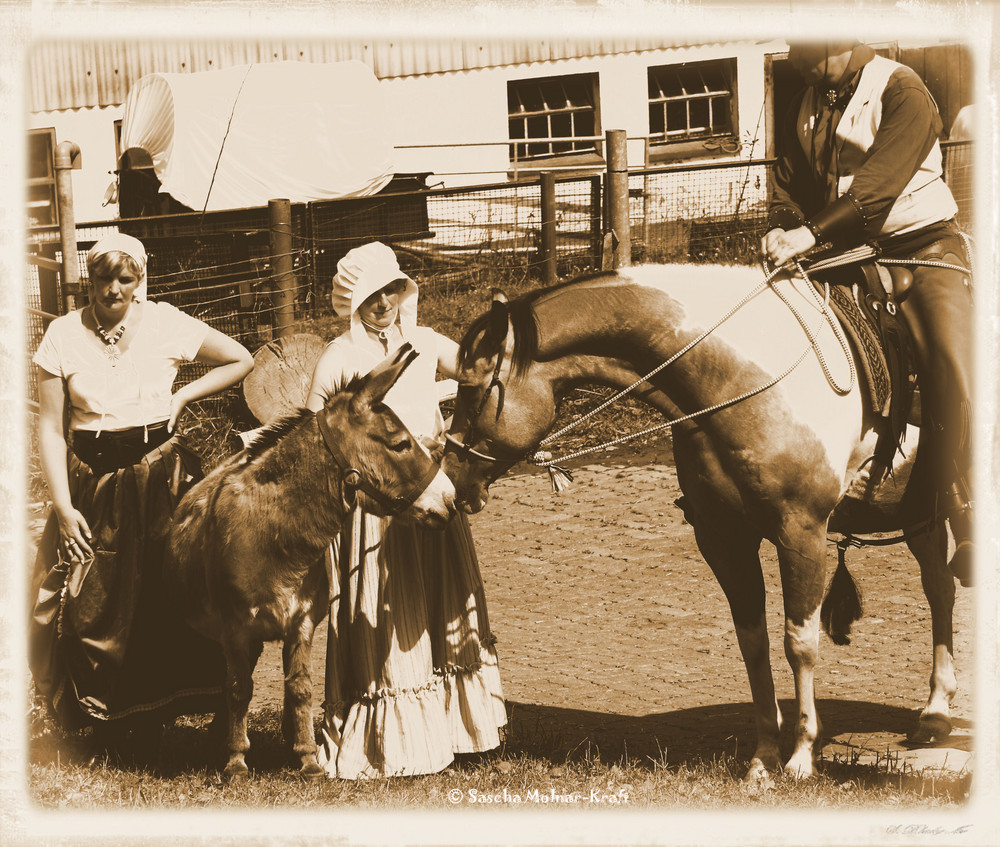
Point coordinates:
pixel 362 272
pixel 121 243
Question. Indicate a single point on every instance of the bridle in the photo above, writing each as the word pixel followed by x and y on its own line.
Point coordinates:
pixel 464 446
pixel 353 482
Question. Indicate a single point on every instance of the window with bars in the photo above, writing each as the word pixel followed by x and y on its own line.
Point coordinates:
pixel 694 101
pixel 552 116
pixel 42 208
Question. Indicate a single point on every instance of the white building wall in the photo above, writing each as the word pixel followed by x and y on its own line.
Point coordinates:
pixel 93 130
pixel 471 106
pixel 457 108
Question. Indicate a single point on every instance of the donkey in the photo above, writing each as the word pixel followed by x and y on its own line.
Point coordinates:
pixel 245 555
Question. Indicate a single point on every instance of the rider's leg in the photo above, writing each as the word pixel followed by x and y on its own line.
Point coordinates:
pixel 940 304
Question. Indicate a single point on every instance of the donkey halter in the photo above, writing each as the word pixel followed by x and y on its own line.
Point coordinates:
pixel 353 481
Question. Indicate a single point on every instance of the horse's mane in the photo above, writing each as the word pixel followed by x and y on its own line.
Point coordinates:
pixel 522 321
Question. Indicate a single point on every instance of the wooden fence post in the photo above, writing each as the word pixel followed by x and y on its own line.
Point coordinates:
pixel 547 181
pixel 279 214
pixel 67 159
pixel 596 219
pixel 617 199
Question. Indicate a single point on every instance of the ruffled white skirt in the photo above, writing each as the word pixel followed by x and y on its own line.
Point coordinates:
pixel 411 669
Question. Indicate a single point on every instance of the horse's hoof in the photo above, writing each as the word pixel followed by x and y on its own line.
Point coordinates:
pixel 931 728
pixel 311 771
pixel 235 772
pixel 801 768
pixel 757 773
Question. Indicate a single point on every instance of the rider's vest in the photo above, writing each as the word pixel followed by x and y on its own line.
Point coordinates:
pixel 925 199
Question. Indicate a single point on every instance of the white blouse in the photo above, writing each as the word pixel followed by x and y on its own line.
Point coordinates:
pixel 414 397
pixel 134 392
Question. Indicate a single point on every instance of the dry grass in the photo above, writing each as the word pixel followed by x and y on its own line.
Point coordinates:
pixel 536 768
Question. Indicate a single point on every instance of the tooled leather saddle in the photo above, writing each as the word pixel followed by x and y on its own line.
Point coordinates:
pixel 864 296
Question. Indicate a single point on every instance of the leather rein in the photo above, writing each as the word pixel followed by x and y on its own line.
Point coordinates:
pixel 352 481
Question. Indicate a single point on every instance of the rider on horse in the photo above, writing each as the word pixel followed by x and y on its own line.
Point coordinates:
pixel 859 161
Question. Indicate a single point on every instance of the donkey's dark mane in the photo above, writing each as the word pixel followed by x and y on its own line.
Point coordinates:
pixel 275 431
pixel 522 320
pixel 278 429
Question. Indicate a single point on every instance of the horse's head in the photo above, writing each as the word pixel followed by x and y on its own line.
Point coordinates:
pixel 383 463
pixel 500 414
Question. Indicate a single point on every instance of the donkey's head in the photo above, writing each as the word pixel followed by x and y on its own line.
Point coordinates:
pixel 383 464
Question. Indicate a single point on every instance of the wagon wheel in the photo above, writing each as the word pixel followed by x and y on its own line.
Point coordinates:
pixel 279 382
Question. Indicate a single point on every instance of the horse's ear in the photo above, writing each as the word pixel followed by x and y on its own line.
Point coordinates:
pixel 498 323
pixel 382 377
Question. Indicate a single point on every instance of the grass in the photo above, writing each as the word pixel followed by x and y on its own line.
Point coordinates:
pixel 533 765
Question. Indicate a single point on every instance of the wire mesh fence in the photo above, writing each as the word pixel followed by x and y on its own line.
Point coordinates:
pixel 219 266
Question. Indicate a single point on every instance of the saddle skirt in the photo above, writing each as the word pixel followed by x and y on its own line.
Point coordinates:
pixel 862 300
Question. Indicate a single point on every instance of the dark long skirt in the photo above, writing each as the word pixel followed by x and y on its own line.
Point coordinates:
pixel 103 645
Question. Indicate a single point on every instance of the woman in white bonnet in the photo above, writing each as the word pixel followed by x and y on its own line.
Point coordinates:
pixel 412 675
pixel 103 649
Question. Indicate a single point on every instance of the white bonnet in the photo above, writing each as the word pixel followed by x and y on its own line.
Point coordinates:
pixel 130 246
pixel 365 270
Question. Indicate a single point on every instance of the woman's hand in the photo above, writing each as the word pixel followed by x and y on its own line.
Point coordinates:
pixel 178 402
pixel 780 246
pixel 74 534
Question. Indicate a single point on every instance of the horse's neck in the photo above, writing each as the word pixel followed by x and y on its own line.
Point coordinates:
pixel 602 336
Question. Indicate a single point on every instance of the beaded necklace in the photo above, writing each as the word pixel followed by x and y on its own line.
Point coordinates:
pixel 110 339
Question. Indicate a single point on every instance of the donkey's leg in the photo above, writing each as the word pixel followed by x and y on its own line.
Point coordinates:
pixel 802 562
pixel 731 551
pixel 241 652
pixel 297 725
pixel 931 551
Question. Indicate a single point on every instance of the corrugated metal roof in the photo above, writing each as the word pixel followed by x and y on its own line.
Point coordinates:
pixel 75 73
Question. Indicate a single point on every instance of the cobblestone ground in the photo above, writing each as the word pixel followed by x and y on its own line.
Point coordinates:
pixel 615 637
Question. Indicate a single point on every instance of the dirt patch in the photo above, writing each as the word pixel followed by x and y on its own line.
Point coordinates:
pixel 613 632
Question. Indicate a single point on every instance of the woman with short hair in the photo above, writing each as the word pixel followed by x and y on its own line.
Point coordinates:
pixel 104 649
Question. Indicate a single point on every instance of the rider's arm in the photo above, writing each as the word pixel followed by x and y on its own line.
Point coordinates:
pixel 909 127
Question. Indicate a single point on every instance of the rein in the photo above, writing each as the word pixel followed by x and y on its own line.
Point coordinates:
pixel 353 481
pixel 544 459
pixel 560 477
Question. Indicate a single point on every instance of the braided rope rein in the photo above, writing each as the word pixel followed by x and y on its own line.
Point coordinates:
pixel 542 458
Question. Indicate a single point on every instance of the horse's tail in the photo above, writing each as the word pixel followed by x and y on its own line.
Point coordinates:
pixel 842 604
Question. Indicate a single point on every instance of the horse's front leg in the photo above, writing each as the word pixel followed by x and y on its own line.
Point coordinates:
pixel 297 726
pixel 732 552
pixel 931 552
pixel 241 655
pixel 802 562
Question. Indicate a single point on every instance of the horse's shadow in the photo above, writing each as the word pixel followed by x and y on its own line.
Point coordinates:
pixel 700 734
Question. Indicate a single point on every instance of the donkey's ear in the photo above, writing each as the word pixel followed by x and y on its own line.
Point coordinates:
pixel 382 377
pixel 498 295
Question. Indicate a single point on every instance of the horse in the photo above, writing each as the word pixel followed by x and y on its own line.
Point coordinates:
pixel 245 556
pixel 770 433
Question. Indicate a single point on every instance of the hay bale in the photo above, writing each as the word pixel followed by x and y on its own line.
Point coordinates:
pixel 279 382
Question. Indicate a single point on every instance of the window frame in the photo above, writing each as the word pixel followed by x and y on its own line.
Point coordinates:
pixel 580 153
pixel 49 179
pixel 689 144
